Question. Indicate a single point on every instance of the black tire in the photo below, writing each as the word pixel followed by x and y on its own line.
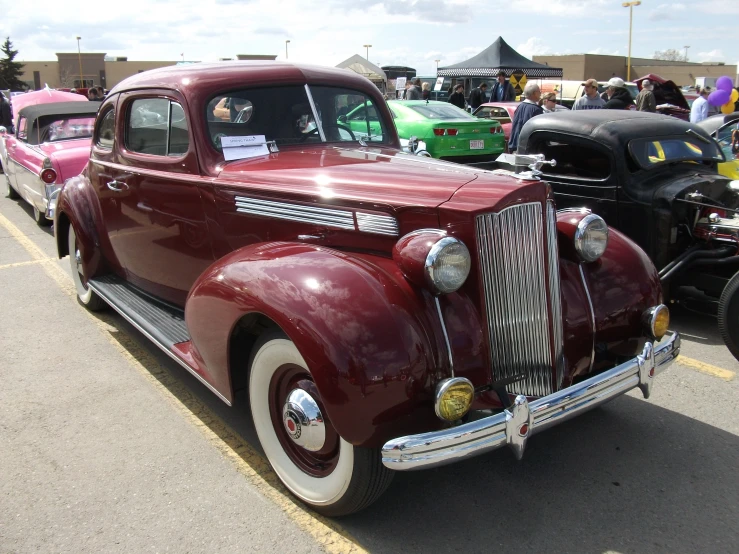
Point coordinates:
pixel 728 315
pixel 11 192
pixel 85 295
pixel 358 477
pixel 40 217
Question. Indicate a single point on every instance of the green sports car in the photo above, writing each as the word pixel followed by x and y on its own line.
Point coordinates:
pixel 449 133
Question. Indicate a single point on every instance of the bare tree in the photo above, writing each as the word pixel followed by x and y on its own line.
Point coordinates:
pixel 66 77
pixel 670 55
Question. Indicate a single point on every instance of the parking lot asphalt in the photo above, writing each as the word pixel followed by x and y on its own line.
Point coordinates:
pixel 106 445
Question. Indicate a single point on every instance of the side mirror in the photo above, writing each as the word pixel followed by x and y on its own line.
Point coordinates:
pixel 342 119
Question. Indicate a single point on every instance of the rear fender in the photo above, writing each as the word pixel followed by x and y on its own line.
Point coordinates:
pixel 78 206
pixel 362 330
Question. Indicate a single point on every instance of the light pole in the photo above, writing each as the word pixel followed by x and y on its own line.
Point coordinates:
pixel 437 65
pixel 686 52
pixel 79 57
pixel 367 47
pixel 286 43
pixel 630 5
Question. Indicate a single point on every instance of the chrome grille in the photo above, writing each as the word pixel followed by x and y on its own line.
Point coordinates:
pixel 513 271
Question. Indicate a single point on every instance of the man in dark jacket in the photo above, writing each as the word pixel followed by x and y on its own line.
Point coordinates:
pixel 457 97
pixel 6 115
pixel 529 108
pixel 503 90
pixel 477 96
pixel 414 91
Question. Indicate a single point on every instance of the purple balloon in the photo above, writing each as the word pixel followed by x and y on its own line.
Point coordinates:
pixel 724 83
pixel 719 97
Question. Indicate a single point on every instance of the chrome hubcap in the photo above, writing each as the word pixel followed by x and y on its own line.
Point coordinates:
pixel 78 261
pixel 303 420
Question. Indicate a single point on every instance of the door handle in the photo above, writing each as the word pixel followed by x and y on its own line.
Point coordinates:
pixel 117 186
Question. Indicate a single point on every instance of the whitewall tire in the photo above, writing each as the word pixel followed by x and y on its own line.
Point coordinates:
pixel 336 480
pixel 85 295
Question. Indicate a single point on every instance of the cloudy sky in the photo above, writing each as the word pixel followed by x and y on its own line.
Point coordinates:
pixel 402 32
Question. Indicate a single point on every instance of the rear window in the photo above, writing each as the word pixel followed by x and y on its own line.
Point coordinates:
pixel 648 153
pixel 440 111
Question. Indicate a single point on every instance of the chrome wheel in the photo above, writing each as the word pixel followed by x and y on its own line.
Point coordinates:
pixel 85 295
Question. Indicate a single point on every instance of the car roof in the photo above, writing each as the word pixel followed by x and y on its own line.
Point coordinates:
pixel 204 75
pixel 59 108
pixel 614 128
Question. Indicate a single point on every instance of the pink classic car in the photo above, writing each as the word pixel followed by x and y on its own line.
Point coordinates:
pixel 51 143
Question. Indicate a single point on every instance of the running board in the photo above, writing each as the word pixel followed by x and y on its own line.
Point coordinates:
pixel 163 325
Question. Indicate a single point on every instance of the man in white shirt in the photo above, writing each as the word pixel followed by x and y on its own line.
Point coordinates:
pixel 699 110
pixel 590 100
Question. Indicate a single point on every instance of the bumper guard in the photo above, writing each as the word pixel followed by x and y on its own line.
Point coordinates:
pixel 515 425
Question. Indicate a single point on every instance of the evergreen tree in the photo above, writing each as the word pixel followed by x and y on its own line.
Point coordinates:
pixel 10 71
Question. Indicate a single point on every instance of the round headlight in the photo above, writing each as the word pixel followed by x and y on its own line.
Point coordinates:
pixel 657 320
pixel 591 237
pixel 453 398
pixel 447 265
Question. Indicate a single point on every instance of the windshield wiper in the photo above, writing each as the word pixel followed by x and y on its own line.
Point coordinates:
pixel 701 138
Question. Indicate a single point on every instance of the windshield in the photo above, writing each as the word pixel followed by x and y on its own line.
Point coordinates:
pixel 440 111
pixel 648 153
pixel 728 139
pixel 285 115
pixel 60 127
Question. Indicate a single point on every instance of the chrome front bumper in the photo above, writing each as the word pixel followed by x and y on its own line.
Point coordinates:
pixel 515 425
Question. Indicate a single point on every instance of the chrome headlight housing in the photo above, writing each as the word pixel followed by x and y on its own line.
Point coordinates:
pixel 447 265
pixel 591 238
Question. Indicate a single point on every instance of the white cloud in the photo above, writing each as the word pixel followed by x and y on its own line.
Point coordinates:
pixel 604 52
pixel 712 56
pixel 534 46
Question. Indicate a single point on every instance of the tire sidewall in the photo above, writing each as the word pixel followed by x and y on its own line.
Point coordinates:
pixel 84 293
pixel 270 356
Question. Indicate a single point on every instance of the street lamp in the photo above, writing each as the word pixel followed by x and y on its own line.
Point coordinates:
pixel 367 47
pixel 79 57
pixel 630 5
pixel 437 65
pixel 686 52
pixel 286 43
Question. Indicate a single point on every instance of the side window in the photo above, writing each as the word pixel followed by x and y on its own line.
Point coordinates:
pixel 573 160
pixel 22 132
pixel 158 127
pixel 106 130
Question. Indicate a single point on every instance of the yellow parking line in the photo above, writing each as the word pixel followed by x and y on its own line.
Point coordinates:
pixel 31 262
pixel 250 463
pixel 708 369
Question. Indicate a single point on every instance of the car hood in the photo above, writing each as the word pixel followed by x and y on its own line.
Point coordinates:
pixel 378 175
pixel 68 157
pixel 665 92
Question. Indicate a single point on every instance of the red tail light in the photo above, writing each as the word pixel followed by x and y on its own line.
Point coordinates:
pixel 48 176
pixel 438 132
pixel 451 132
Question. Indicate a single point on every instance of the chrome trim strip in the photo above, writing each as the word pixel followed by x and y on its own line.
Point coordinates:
pixel 592 314
pixel 378 224
pixel 446 336
pixel 514 427
pixel 555 296
pixel 513 272
pixel 341 219
pixel 316 117
pixel 163 348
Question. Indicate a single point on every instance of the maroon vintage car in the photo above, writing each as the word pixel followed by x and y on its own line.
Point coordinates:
pixel 374 305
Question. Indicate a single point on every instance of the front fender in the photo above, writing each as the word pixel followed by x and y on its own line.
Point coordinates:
pixel 361 328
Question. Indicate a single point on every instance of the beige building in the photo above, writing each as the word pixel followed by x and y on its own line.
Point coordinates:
pixel 602 68
pixel 73 70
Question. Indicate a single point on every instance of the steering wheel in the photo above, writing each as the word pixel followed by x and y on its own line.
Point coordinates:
pixel 325 127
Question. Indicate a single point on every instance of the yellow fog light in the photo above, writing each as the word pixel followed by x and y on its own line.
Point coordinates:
pixel 453 398
pixel 657 320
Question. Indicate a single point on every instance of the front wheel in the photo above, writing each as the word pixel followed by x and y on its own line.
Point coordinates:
pixel 10 191
pixel 85 295
pixel 728 315
pixel 319 467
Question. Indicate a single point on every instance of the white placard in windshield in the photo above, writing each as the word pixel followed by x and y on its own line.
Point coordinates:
pixel 439 83
pixel 241 148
